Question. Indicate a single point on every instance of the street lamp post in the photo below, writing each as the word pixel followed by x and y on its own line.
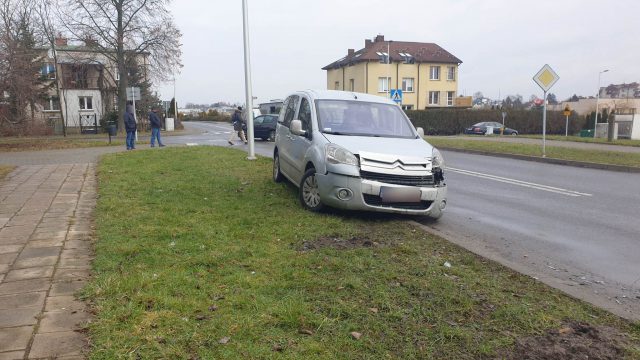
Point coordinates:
pixel 247 81
pixel 595 124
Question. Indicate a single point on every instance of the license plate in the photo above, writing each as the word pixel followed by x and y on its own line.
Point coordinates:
pixel 396 195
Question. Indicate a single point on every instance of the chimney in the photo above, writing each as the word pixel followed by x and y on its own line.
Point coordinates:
pixel 379 38
pixel 61 41
pixel 367 43
pixel 350 52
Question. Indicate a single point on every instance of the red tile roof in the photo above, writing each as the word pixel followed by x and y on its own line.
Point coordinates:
pixel 421 53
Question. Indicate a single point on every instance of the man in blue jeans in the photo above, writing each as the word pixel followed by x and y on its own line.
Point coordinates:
pixel 156 124
pixel 130 126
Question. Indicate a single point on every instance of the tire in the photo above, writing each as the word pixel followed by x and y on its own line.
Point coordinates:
pixel 272 136
pixel 277 175
pixel 514 133
pixel 309 194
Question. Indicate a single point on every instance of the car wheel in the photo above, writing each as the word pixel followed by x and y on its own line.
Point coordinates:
pixel 272 136
pixel 514 133
pixel 309 192
pixel 277 175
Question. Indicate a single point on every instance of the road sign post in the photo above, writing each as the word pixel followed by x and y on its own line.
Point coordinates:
pixel 566 113
pixel 545 78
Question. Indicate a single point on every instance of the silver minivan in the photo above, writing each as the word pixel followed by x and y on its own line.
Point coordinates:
pixel 357 151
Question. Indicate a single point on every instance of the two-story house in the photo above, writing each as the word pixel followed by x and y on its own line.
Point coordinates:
pixel 87 84
pixel 426 73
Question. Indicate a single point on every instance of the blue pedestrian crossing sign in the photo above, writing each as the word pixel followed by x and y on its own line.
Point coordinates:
pixel 396 95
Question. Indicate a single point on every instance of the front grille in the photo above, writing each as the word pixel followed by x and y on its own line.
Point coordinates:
pixel 408 180
pixel 375 200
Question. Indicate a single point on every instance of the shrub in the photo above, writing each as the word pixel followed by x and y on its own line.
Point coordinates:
pixel 454 121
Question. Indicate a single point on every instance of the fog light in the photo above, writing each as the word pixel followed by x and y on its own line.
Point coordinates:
pixel 443 204
pixel 344 194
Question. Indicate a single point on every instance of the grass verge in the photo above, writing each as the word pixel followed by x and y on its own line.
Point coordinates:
pixel 5 170
pixel 201 255
pixel 622 142
pixel 13 144
pixel 593 156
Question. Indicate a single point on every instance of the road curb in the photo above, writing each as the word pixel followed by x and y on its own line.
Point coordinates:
pixel 583 164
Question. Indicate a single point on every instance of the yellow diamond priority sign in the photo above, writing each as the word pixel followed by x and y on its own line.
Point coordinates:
pixel 546 78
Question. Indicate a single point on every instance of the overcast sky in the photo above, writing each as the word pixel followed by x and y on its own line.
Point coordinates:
pixel 502 43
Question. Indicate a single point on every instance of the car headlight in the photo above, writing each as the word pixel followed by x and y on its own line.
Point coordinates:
pixel 339 155
pixel 437 161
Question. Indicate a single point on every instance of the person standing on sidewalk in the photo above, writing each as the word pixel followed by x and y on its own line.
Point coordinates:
pixel 130 126
pixel 237 122
pixel 156 124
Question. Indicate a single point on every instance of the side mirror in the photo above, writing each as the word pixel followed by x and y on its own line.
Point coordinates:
pixel 420 132
pixel 296 128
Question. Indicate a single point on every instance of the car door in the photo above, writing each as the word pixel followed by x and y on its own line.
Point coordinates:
pixel 284 136
pixel 258 126
pixel 301 143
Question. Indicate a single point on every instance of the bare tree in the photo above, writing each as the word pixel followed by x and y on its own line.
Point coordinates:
pixel 127 31
pixel 19 65
pixel 48 31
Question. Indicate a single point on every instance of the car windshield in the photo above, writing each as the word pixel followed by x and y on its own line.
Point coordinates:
pixel 343 117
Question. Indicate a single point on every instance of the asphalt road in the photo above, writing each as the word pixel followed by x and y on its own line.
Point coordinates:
pixel 573 228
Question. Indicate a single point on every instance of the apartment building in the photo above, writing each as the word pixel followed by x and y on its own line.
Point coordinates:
pixel 426 73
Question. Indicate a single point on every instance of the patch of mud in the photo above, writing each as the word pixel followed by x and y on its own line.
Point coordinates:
pixel 572 341
pixel 338 243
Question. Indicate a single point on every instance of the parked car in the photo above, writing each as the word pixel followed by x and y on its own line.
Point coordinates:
pixel 497 128
pixel 264 127
pixel 359 152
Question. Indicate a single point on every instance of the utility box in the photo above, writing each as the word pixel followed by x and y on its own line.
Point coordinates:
pixel 169 125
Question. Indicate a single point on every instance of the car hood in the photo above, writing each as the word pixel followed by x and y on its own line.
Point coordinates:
pixel 401 148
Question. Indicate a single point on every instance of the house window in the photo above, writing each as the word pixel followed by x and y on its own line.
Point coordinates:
pixel 384 57
pixel 407 107
pixel 383 84
pixel 352 85
pixel 434 97
pixel 48 71
pixel 86 102
pixel 407 84
pixel 52 104
pixel 435 73
pixel 337 85
pixel 451 73
pixel 450 96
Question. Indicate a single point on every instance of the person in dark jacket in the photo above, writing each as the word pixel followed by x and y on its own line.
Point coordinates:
pixel 156 124
pixel 130 126
pixel 238 123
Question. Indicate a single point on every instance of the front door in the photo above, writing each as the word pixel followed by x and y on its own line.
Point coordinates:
pixel 285 137
pixel 300 144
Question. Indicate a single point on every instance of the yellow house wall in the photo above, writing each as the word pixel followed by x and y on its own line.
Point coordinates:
pixel 443 85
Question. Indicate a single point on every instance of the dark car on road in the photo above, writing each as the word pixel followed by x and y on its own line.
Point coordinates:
pixel 496 128
pixel 264 127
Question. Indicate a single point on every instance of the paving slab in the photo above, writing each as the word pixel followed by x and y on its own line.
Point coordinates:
pixel 20 301
pixel 19 317
pixel 56 345
pixel 12 355
pixel 30 273
pixel 15 338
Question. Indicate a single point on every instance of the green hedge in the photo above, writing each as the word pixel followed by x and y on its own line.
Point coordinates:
pixel 454 121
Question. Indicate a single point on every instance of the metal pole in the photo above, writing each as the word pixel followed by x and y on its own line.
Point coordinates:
pixel 388 70
pixel 133 99
pixel 247 81
pixel 544 126
pixel 175 103
pixel 566 127
pixel 595 123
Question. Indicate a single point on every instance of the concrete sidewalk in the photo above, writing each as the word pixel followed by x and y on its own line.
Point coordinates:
pixel 45 255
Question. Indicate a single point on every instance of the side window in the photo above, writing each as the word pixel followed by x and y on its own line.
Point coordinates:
pixel 290 112
pixel 304 115
pixel 259 120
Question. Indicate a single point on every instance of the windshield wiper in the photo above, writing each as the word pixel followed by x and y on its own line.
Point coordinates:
pixel 335 133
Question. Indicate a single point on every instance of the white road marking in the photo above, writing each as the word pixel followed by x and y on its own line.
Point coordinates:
pixel 520 183
pixel 192 144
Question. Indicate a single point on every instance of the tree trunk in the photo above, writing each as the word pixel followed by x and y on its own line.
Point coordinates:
pixel 122 70
pixel 612 121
